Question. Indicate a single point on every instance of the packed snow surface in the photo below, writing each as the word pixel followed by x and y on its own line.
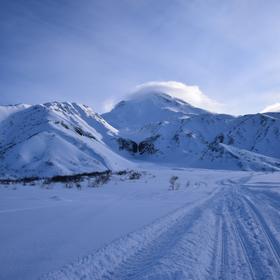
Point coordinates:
pixel 214 225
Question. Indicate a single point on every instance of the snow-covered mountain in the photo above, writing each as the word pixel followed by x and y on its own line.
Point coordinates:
pixel 162 129
pixel 145 108
pixel 66 138
pixel 55 138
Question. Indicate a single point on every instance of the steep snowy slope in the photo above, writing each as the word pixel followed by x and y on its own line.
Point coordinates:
pixel 259 133
pixel 56 138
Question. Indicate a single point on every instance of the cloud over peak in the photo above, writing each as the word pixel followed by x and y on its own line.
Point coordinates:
pixel 190 94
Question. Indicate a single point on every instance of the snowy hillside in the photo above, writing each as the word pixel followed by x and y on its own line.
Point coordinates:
pixel 54 139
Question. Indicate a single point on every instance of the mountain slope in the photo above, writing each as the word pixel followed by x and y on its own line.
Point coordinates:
pixel 66 138
pixel 56 138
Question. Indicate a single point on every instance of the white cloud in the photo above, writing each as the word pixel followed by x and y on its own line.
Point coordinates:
pixel 190 94
pixel 108 105
pixel 272 108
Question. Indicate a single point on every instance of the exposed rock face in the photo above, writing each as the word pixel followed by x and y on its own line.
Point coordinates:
pixel 147 146
pixel 144 147
pixel 127 145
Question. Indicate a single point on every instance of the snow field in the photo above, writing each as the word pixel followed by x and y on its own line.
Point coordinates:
pixel 217 225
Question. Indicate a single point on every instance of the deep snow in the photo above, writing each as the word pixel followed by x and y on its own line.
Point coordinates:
pixel 217 225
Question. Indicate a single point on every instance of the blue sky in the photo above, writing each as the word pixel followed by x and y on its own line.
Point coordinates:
pixel 94 52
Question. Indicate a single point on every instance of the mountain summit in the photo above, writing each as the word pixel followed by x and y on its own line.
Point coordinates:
pixel 145 108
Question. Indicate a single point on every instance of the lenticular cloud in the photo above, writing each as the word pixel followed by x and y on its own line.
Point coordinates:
pixel 272 108
pixel 190 94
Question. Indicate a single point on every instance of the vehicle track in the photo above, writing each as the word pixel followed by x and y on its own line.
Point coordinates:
pixel 223 237
pixel 145 261
pixel 256 239
pixel 274 244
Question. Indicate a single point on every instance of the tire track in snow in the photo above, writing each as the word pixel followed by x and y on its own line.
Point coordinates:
pixel 229 254
pixel 136 255
pixel 224 254
pixel 243 243
pixel 220 262
pixel 244 228
pixel 145 261
pixel 273 243
pixel 217 249
pixel 254 241
pixel 240 244
pixel 232 208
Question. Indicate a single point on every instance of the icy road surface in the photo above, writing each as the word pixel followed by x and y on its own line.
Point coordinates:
pixel 217 225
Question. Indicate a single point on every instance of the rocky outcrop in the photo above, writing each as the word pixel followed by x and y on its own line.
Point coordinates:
pixel 144 147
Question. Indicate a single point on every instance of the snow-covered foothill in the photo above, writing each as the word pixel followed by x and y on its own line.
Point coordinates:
pixel 56 139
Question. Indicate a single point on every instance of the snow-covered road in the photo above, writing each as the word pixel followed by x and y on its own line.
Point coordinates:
pixel 218 225
pixel 231 234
